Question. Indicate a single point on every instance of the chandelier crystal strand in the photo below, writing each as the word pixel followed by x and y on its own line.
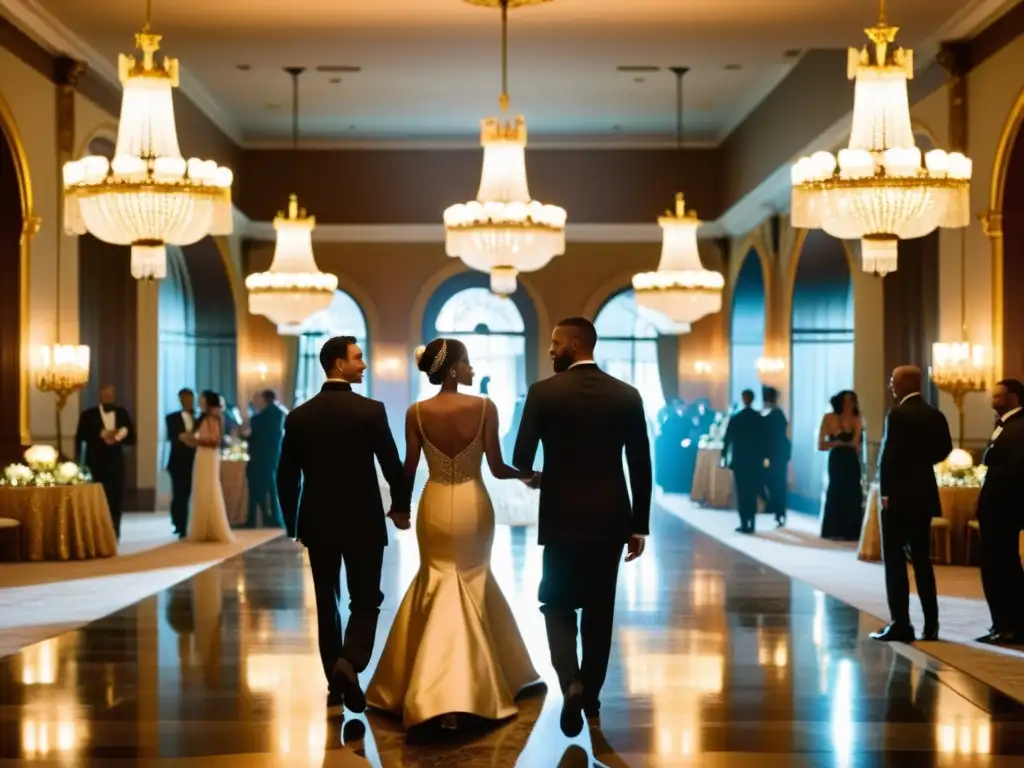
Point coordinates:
pixel 880 189
pixel 681 290
pixel 504 231
pixel 148 195
pixel 293 289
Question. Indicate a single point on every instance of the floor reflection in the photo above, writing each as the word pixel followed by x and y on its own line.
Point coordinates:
pixel 716 658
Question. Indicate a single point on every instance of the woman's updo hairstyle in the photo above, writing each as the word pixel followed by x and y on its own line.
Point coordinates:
pixel 210 397
pixel 438 357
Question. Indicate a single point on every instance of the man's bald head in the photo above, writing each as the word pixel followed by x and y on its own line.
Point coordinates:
pixel 906 380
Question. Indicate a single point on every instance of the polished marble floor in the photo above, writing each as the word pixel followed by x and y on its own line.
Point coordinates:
pixel 718 661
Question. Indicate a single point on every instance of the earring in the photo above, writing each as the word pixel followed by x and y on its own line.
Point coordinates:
pixel 454 373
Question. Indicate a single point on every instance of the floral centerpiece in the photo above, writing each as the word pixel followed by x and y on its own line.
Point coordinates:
pixel 43 468
pixel 712 441
pixel 958 471
pixel 235 449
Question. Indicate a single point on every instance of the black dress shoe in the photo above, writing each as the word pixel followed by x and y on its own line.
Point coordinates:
pixel 1007 638
pixel 346 681
pixel 931 634
pixel 571 720
pixel 894 633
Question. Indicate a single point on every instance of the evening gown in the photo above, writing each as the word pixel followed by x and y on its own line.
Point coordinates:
pixel 454 647
pixel 208 520
pixel 844 499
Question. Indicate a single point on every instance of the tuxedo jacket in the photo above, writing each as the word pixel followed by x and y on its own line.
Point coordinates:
pixel 1004 459
pixel 743 445
pixel 585 419
pixel 778 448
pixel 182 456
pixel 916 439
pixel 99 455
pixel 326 478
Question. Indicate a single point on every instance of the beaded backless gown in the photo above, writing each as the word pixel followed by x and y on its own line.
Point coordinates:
pixel 454 647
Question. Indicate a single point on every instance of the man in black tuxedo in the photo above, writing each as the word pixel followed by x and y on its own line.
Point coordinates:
pixel 743 451
pixel 1001 517
pixel 916 439
pixel 181 459
pixel 266 429
pixel 584 419
pixel 104 430
pixel 778 450
pixel 331 502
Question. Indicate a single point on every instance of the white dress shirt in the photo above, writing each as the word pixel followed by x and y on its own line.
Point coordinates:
pixel 1002 420
pixel 912 394
pixel 110 424
pixel 188 420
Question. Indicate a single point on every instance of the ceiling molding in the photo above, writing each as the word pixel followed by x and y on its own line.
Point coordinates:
pixel 38 23
pixel 582 142
pixel 434 233
pixel 746 106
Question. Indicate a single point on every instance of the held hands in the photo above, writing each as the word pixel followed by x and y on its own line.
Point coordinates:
pixel 401 519
pixel 534 481
pixel 188 439
pixel 635 548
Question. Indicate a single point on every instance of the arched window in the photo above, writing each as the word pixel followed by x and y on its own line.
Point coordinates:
pixel 493 331
pixel 821 352
pixel 747 331
pixel 343 318
pixel 628 348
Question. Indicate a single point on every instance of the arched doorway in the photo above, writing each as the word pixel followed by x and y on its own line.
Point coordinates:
pixel 1013 260
pixel 500 334
pixel 821 356
pixel 13 202
pixel 627 348
pixel 746 338
pixel 343 318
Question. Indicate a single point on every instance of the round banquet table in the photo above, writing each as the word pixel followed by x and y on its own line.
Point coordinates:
pixel 65 522
pixel 958 506
pixel 712 484
pixel 236 490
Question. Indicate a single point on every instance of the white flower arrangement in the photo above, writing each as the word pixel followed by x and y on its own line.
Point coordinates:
pixel 47 475
pixel 235 450
pixel 958 471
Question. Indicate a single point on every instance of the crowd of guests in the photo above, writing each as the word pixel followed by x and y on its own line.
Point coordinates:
pixel 679 429
pixel 106 429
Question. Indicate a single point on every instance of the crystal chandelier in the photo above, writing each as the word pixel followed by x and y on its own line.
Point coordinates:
pixel 504 232
pixel 680 290
pixel 769 367
pixel 877 189
pixel 148 195
pixel 293 289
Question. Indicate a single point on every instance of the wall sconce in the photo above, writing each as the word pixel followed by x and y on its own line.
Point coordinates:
pixel 261 370
pixel 770 366
pixel 702 368
pixel 389 367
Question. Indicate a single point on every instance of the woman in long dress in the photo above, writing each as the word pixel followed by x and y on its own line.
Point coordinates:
pixel 208 520
pixel 454 647
pixel 841 435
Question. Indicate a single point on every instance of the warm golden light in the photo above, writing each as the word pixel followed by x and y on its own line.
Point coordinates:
pixel 770 366
pixel 702 368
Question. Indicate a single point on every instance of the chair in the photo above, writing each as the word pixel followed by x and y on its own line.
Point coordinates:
pixel 973 529
pixel 10 540
pixel 942 534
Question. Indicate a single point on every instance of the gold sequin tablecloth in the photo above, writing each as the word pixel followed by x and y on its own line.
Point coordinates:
pixel 236 490
pixel 712 484
pixel 958 506
pixel 70 522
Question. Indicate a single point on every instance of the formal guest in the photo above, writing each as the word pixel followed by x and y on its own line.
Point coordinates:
pixel 916 439
pixel 743 452
pixel 841 434
pixel 1001 517
pixel 779 451
pixel 266 429
pixel 485 386
pixel 181 459
pixel 104 430
pixel 673 431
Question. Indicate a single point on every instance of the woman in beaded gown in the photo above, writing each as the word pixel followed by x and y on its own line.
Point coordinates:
pixel 454 647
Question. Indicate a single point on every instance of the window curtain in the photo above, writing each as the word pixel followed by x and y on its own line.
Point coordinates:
pixel 911 314
pixel 668 366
